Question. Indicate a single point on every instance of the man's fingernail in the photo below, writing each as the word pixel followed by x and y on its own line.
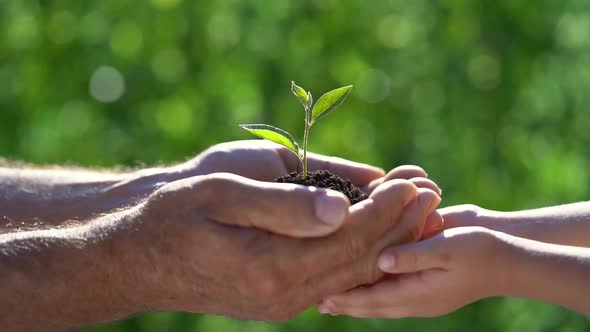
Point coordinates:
pixel 428 200
pixel 331 207
pixel 386 263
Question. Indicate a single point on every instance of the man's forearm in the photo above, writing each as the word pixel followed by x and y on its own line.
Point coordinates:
pixel 31 197
pixel 550 273
pixel 55 280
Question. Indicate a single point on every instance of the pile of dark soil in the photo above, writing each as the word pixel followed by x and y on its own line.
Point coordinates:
pixel 326 179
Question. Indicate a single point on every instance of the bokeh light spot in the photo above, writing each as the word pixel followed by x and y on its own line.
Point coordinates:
pixel 484 71
pixel 174 117
pixel 94 28
pixel 75 118
pixel 126 39
pixel 373 85
pixel 223 30
pixel 572 31
pixel 23 31
pixel 62 27
pixel 165 4
pixel 107 84
pixel 395 31
pixel 169 65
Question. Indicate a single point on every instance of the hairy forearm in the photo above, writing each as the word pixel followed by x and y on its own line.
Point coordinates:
pixel 59 279
pixel 30 198
pixel 550 273
pixel 565 224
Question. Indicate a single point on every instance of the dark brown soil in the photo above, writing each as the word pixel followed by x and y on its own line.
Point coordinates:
pixel 326 179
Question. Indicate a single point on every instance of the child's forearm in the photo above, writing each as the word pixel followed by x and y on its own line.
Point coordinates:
pixel 565 224
pixel 550 273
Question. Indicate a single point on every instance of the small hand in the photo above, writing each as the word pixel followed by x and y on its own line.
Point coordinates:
pixel 213 244
pixel 433 277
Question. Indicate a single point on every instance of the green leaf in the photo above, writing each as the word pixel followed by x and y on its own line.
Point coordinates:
pixel 329 102
pixel 273 134
pixel 300 93
pixel 308 107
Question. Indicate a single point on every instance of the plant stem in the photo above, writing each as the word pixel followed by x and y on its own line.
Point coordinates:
pixel 305 136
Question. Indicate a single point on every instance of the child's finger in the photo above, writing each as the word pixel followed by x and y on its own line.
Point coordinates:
pixel 385 299
pixel 413 257
pixel 358 302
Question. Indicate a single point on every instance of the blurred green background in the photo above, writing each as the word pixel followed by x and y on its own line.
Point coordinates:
pixel 491 97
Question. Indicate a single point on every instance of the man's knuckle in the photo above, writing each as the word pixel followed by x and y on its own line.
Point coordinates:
pixel 413 233
pixel 365 273
pixel 410 260
pixel 265 281
pixel 356 247
pixel 372 274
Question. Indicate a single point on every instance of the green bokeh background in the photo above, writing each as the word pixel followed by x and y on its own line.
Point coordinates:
pixel 491 97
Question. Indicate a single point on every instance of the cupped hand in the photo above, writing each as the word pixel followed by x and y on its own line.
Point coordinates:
pixel 225 244
pixel 265 161
pixel 432 277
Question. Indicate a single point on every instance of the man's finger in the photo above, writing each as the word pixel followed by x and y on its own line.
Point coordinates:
pixel 364 270
pixel 368 221
pixel 285 209
pixel 434 225
pixel 414 220
pixel 426 183
pixel 359 174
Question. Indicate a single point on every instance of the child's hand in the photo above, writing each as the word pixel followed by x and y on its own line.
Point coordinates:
pixel 440 274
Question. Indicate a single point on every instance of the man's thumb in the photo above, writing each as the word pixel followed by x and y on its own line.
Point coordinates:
pixel 285 209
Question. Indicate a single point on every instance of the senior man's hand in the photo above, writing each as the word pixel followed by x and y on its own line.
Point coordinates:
pixel 265 161
pixel 206 244
pixel 212 244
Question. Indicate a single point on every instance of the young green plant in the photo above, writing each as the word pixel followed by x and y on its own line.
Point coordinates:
pixel 326 104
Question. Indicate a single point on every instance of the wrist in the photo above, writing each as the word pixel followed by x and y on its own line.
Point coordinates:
pixel 83 258
pixel 494 220
pixel 498 262
pixel 136 186
pixel 129 190
pixel 510 263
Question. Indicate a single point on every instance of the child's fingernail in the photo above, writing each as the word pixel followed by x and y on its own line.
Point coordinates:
pixel 386 263
pixel 326 307
pixel 331 207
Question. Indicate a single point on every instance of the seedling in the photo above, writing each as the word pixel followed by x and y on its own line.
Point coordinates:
pixel 326 104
